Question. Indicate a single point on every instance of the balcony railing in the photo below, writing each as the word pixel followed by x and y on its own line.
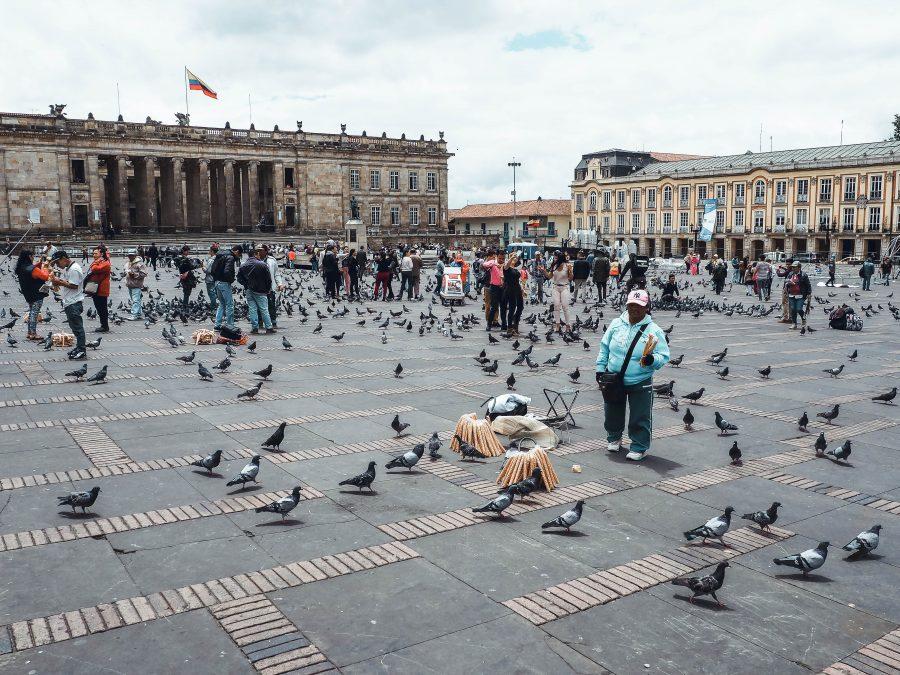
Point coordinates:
pixel 875 196
pixel 667 203
pixel 759 199
pixel 737 229
pixel 720 201
pixel 720 229
pixel 651 229
pixel 802 198
pixel 635 229
pixel 683 229
pixel 700 200
pixel 605 207
pixel 848 227
pixel 620 206
pixel 651 203
pixel 620 229
pixel 824 198
pixel 667 229
pixel 781 199
pixel 849 196
pixel 739 201
pixel 778 227
pixel 800 228
pixel 874 228
pixel 684 203
pixel 759 229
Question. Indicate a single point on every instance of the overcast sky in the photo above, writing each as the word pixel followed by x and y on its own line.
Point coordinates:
pixel 544 82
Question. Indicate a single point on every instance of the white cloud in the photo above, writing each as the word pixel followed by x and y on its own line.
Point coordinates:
pixel 686 77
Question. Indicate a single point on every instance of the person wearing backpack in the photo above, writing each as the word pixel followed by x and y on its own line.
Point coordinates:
pixel 866 272
pixel 135 273
pixel 222 272
pixel 798 290
pixel 186 274
pixel 614 273
pixel 601 274
pixel 256 279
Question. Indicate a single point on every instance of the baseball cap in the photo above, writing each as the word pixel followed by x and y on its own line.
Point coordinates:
pixel 638 297
pixel 58 254
pixel 796 263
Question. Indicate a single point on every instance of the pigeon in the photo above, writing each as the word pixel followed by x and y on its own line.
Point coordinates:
pixel 203 372
pixel 247 474
pixel 694 396
pixel 11 341
pixel 408 459
pixel 803 422
pixel 665 389
pixel 511 382
pixel 363 480
pixel 491 369
pixel 718 357
pixel 864 543
pixel 274 441
pixel 714 528
pixel 434 444
pixel 78 374
pixel 707 585
pixel 842 453
pixel 95 345
pixel 575 374
pixel 820 445
pixel 809 560
pixel 284 343
pixel 186 359
pixel 316 330
pixel 723 373
pixel 886 398
pixel 831 414
pixel 99 377
pixel 688 419
pixel 673 403
pixel 764 518
pixel 251 347
pixel 528 485
pixel 497 505
pixel 676 362
pixel 724 425
pixel 264 373
pixel 251 392
pixel 80 499
pixel 398 370
pixel 853 356
pixel 338 338
pixel 284 505
pixel 223 365
pixel 467 450
pixel 834 372
pixel 735 453
pixel 210 462
pixel 492 340
pixel 568 519
pixel 553 361
pixel 397 425
pixel 765 371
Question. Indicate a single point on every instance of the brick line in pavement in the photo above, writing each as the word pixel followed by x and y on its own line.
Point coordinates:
pixel 74 398
pixel 836 433
pixel 83 529
pixel 410 371
pixel 96 445
pixel 271 641
pixel 602 587
pixel 63 626
pixel 877 658
pixel 324 417
pixel 853 496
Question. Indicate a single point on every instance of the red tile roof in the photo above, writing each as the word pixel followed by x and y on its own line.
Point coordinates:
pixel 524 209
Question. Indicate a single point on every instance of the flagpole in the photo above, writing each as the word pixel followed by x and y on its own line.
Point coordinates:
pixel 118 99
pixel 187 110
pixel 250 105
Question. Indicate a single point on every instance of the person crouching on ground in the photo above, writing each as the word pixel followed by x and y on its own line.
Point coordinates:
pixel 650 353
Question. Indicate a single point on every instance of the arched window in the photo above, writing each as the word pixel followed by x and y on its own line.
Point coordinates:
pixel 592 200
pixel 759 189
pixel 667 195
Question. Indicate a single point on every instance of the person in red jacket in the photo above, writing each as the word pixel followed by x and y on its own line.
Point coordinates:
pixel 99 274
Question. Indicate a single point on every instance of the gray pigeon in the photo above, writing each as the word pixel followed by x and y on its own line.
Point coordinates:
pixel 830 415
pixel 408 459
pixel 834 372
pixel 79 373
pixel 707 585
pixel 724 425
pixel 715 528
pixel 363 480
pixel 497 505
pixel 568 519
pixel 764 518
pixel 434 444
pixel 248 473
pixel 80 499
pixel 209 462
pixel 865 542
pixel 284 505
pixel 528 485
pixel 842 453
pixel 203 372
pixel 251 392
pixel 99 377
pixel 809 560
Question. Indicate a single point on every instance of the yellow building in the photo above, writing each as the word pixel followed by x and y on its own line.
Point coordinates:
pixel 512 223
pixel 840 200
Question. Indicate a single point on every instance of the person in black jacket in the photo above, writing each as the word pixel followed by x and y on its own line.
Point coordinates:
pixel 798 292
pixel 153 255
pixel 222 272
pixel 31 278
pixel 581 270
pixel 186 274
pixel 254 276
pixel 638 273
pixel 332 273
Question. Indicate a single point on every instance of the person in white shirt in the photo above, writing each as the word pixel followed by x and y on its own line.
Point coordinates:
pixel 406 277
pixel 277 284
pixel 69 284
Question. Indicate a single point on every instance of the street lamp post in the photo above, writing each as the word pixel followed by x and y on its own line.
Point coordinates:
pixel 513 164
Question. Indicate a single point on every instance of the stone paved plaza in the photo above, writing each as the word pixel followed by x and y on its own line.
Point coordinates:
pixel 172 571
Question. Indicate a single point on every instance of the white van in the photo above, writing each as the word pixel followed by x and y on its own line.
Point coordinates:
pixel 775 257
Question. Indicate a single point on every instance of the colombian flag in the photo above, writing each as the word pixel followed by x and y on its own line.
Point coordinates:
pixel 196 84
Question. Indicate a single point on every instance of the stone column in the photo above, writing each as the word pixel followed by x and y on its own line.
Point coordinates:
pixel 243 190
pixel 118 171
pixel 203 195
pixel 252 192
pixel 166 205
pixel 278 195
pixel 177 195
pixel 145 177
pixel 220 213
pixel 97 196
pixel 232 212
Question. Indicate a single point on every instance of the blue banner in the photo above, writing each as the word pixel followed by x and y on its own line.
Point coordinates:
pixel 708 225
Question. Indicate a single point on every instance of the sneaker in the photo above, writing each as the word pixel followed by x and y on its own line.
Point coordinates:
pixel 635 456
pixel 269 331
pixel 614 446
pixel 254 331
pixel 793 327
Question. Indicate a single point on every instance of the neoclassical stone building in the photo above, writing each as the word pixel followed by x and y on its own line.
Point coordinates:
pixel 89 176
pixel 841 200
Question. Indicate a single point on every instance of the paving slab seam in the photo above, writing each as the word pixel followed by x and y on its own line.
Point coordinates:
pixel 853 496
pixel 308 419
pixel 876 658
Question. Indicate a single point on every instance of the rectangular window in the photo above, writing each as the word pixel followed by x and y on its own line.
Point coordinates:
pixel 667 222
pixel 849 188
pixel 605 224
pixel 579 221
pixel 620 223
pixel 635 199
pixel 683 221
pixel 354 179
pixel 720 193
pixel 875 187
pixel 684 195
pixel 780 191
pixel 607 199
pixel 740 193
pixel 803 189
pixel 290 216
pixel 780 219
pixel 593 174
pixel 701 193
pixel 432 216
pixel 451 228
pixel 738 225
pixel 431 181
pixel 651 223
pixel 720 221
pixel 395 215
pixel 801 220
pixel 414 215
pixel 848 221
pixel 80 216
pixel 620 199
pixel 374 179
pixel 468 228
pixel 824 189
pixel 289 176
pixel 651 198
pixel 484 228
pixel 551 228
pixel 759 221
pixel 592 222
pixel 635 223
pixel 824 218
pixel 375 215
pixel 874 219
pixel 579 202
pixel 78 171
pixel 413 180
pixel 394 177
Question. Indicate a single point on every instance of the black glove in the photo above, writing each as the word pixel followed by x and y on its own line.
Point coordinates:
pixel 597 374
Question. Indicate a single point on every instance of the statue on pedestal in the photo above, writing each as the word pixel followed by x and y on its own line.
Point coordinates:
pixel 354 209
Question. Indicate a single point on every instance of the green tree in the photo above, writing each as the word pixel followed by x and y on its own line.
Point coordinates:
pixel 896 136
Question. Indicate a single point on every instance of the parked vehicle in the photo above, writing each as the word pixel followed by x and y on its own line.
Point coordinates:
pixel 852 260
pixel 806 257
pixel 775 256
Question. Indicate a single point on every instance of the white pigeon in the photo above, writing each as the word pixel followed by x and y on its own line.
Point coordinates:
pixel 809 560
pixel 865 542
